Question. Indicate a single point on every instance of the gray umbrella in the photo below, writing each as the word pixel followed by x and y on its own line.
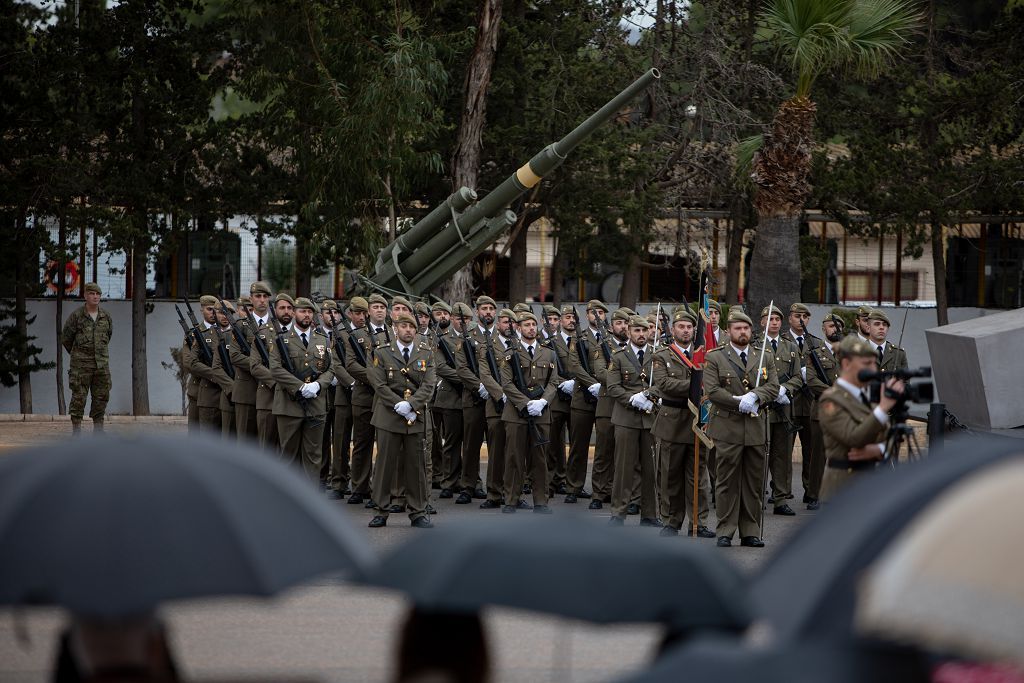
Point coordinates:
pixel 809 587
pixel 567 566
pixel 721 660
pixel 111 527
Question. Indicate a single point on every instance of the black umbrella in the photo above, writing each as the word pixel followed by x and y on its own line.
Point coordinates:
pixel 720 660
pixel 110 527
pixel 567 566
pixel 809 587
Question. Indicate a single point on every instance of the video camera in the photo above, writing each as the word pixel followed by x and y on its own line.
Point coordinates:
pixel 922 392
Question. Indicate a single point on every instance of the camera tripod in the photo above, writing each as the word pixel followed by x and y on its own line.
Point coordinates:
pixel 900 433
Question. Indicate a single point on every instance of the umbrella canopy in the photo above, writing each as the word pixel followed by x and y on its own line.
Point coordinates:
pixel 720 660
pixel 111 527
pixel 569 567
pixel 952 580
pixel 809 587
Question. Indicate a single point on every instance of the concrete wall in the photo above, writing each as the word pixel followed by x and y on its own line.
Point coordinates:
pixel 163 332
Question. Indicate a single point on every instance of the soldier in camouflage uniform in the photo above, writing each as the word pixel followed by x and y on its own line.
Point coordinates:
pixel 86 337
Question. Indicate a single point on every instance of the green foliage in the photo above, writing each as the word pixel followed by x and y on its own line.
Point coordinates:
pixel 279 266
pixel 13 344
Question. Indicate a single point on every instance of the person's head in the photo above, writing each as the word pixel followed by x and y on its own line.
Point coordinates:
pixel 400 305
pixel 504 327
pixel 101 648
pixel 596 313
pixel 620 324
pixel 222 318
pixel 485 310
pixel 855 355
pixel 714 313
pixel 284 308
pixel 259 295
pixel 378 309
pixel 93 293
pixel 304 313
pixel 879 323
pixel 442 315
pixel 357 309
pixel 422 315
pixel 244 306
pixel 462 316
pixel 568 319
pixel 405 327
pixel 863 323
pixel 832 328
pixel 528 327
pixel 552 318
pixel 799 316
pixel 208 305
pixel 739 327
pixel 772 324
pixel 425 648
pixel 328 311
pixel 683 325
pixel 638 330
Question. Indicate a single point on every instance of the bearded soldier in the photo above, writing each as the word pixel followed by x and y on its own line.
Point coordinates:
pixel 584 351
pixel 490 360
pixel 825 357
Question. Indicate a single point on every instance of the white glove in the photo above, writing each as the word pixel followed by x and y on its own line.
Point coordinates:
pixel 748 402
pixel 803 373
pixel 410 417
pixel 536 407
pixel 783 399
pixel 594 389
pixel 637 400
pixel 403 408
pixel 567 386
pixel 334 381
pixel 504 399
pixel 310 389
pixel 483 392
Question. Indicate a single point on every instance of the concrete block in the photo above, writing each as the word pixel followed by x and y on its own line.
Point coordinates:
pixel 39 418
pixel 978 370
pixel 12 417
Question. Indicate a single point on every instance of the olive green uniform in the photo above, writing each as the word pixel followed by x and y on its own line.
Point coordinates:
pixel 222 362
pixel 362 411
pixel 448 402
pixel 560 416
pixel 192 385
pixel 628 374
pixel 583 410
pixel 88 342
pixel 474 413
pixel 213 381
pixel 495 425
pixel 266 423
pixel 846 422
pixel 739 438
pixel 801 408
pixel 603 474
pixel 830 365
pixel 339 473
pixel 401 447
pixel 243 392
pixel 893 357
pixel 788 362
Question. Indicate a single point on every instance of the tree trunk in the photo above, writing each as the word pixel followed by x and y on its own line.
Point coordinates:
pixel 22 271
pixel 555 283
pixel 466 156
pixel 775 266
pixel 62 245
pixel 939 268
pixel 303 279
pixel 517 268
pixel 140 371
pixel 734 253
pixel 629 295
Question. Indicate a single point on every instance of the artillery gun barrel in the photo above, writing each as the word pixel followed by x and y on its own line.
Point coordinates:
pixel 426 227
pixel 446 266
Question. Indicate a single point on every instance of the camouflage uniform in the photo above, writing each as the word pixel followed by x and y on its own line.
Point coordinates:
pixel 87 341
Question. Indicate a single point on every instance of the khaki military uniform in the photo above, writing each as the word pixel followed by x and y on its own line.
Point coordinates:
pixel 339 473
pixel 739 438
pixel 222 362
pixel 674 442
pixel 300 422
pixel 243 391
pixel 634 446
pixel 801 408
pixel 846 422
pixel 362 410
pixel 603 474
pixel 816 467
pixel 788 362
pixel 266 423
pixel 560 417
pixel 448 401
pixel 583 409
pixel 893 357
pixel 401 447
pixel 495 407
pixel 192 383
pixel 540 374
pixel 88 342
pixel 474 414
pixel 213 381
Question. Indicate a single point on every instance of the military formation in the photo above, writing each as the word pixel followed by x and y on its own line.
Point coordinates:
pixel 388 404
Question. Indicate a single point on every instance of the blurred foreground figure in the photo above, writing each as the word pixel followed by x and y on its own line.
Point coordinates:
pixel 109 650
pixel 426 652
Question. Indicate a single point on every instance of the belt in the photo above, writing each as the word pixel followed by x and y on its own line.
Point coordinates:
pixel 672 403
pixel 851 465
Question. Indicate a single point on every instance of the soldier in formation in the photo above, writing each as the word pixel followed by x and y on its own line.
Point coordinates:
pixel 86 337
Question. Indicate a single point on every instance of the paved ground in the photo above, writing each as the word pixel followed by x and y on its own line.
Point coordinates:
pixel 335 632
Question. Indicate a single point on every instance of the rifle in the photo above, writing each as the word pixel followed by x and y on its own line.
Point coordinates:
pixel 469 351
pixel 286 362
pixel 583 355
pixel 357 349
pixel 205 352
pixel 780 409
pixel 243 344
pixel 261 348
pixel 225 358
pixel 520 381
pixel 559 365
pixel 818 370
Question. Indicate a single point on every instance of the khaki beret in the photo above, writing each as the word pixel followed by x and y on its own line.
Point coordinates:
pixel 284 297
pixel 878 315
pixel 481 300
pixel 328 305
pixel 715 305
pixel 404 317
pixel 527 315
pixel 683 314
pixel 305 302
pixel 639 321
pixel 550 310
pixel 207 300
pixel 93 287
pixel 508 313
pixel 775 311
pixel 441 306
pixel 568 309
pixel 260 287
pixel 522 308
pixel 358 305
pixel 630 311
pixel 799 308
pixel 230 305
pixel 375 298
pixel 621 314
pixel 401 301
pixel 244 301
pixel 596 303
pixel 736 315
pixel 863 311
pixel 421 308
pixel 462 310
pixel 834 319
pixel 852 345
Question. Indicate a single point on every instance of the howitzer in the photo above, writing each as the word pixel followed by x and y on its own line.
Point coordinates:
pixel 205 352
pixel 461 228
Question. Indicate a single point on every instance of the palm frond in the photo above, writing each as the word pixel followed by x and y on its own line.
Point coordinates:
pixel 878 29
pixel 745 150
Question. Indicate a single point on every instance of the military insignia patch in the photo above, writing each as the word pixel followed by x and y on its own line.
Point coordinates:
pixel 421 365
pixel 375 362
pixel 829 407
pixel 320 348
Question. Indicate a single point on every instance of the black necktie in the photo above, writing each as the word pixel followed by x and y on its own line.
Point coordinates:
pixel 597 336
pixel 864 399
pixel 405 352
pixel 743 358
pixel 880 353
pixel 775 345
pixel 800 343
pixel 305 340
pixel 529 350
pixel 687 353
pixel 640 357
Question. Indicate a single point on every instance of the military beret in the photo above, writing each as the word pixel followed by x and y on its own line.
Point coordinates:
pixel 834 319
pixel 596 303
pixel 207 300
pixel 441 306
pixel 93 287
pixel 863 311
pixel 404 317
pixel 260 287
pixel 421 308
pixel 853 345
pixel 568 309
pixel 775 311
pixel 358 305
pixel 522 308
pixel 683 314
pixel 401 301
pixel 508 313
pixel 550 310
pixel 328 305
pixel 244 301
pixel 462 310
pixel 639 321
pixel 284 297
pixel 622 314
pixel 305 302
pixel 527 315
pixel 376 298
pixel 878 315
pixel 799 308
pixel 715 305
pixel 736 315
pixel 481 300
pixel 227 304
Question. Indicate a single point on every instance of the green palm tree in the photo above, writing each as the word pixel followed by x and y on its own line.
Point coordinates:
pixel 858 37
